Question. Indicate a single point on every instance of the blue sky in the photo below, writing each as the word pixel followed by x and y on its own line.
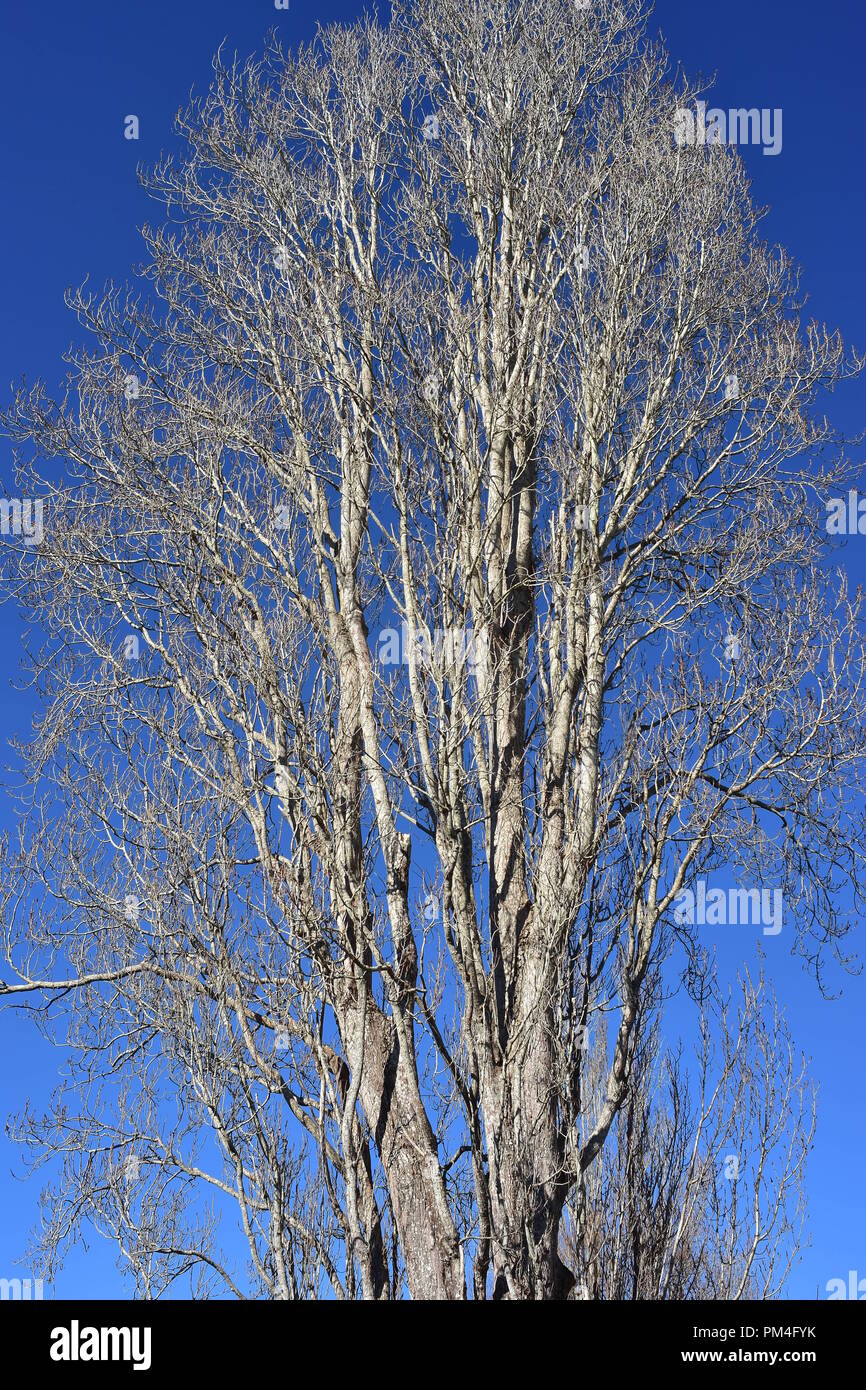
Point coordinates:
pixel 69 74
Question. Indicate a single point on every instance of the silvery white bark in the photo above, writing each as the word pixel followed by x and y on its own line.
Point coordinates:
pixel 578 491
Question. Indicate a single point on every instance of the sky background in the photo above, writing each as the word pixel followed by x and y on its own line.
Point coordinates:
pixel 69 74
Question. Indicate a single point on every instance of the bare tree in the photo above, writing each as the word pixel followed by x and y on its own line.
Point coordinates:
pixel 433 586
pixel 699 1191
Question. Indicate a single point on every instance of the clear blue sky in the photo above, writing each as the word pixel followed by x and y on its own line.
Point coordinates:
pixel 70 73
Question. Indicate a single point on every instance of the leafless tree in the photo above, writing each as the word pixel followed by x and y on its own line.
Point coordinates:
pixel 699 1191
pixel 445 350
